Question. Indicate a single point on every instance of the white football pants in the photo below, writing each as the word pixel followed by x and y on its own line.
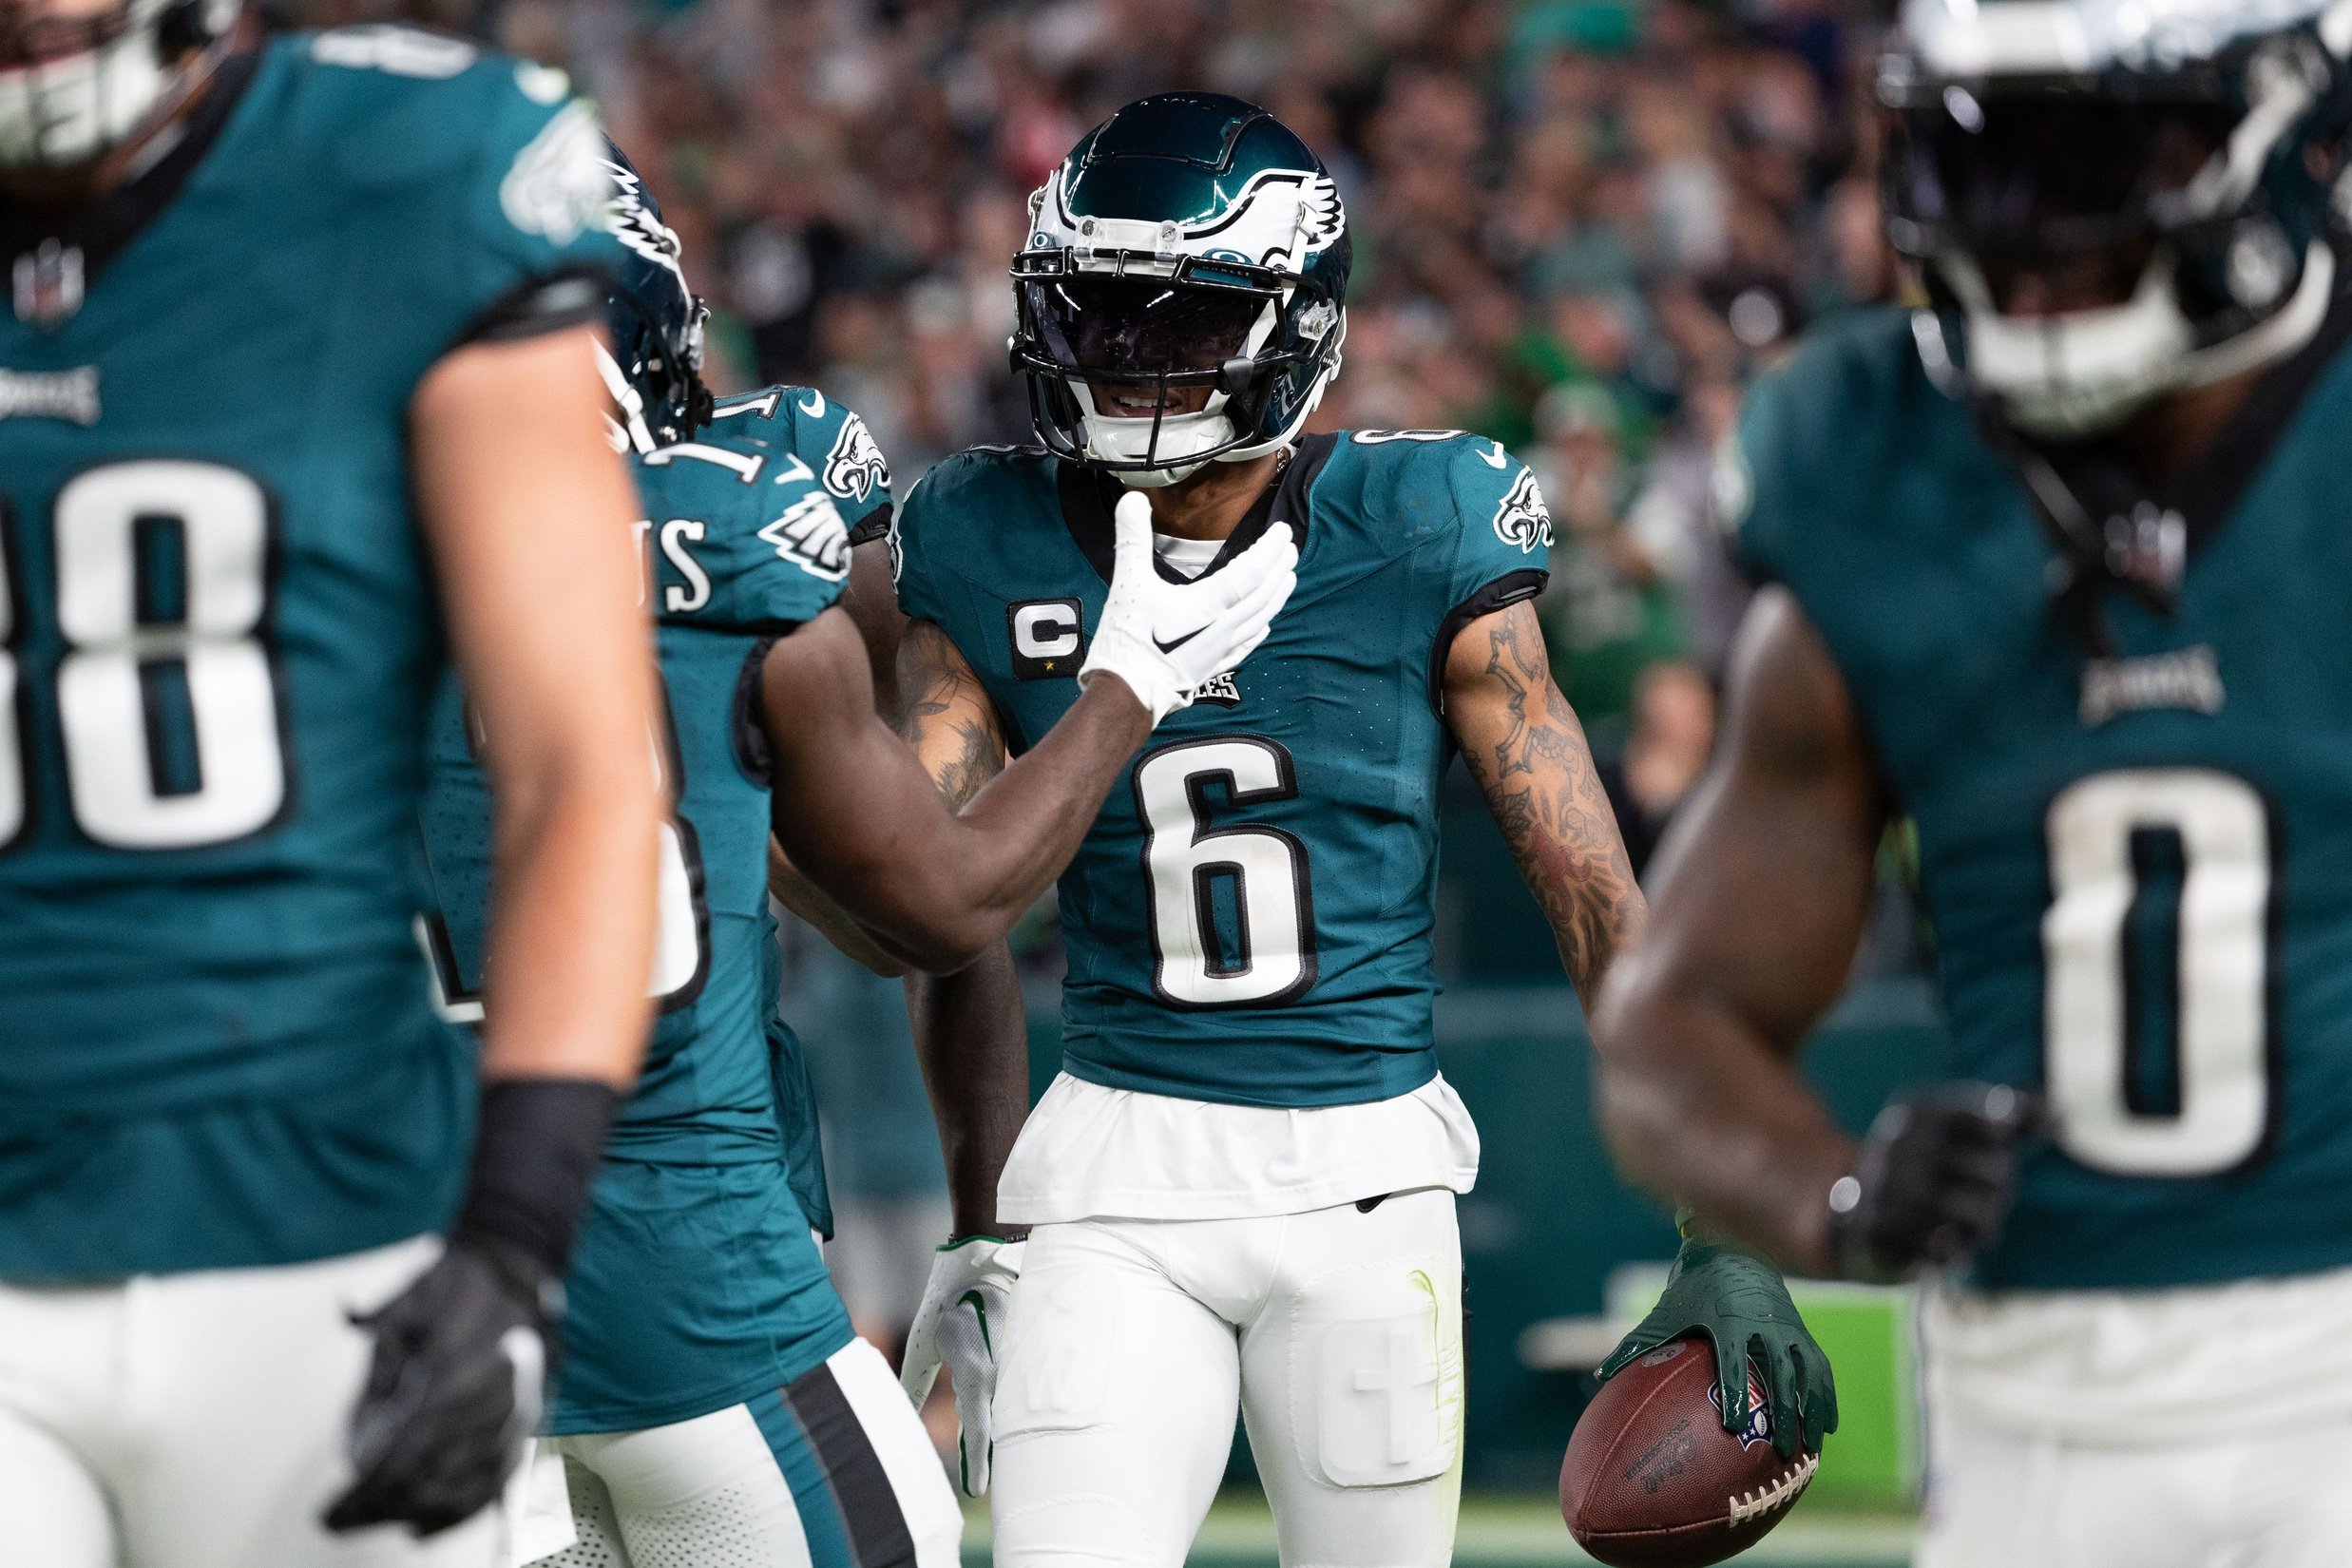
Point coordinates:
pixel 199 1421
pixel 833 1470
pixel 2268 1499
pixel 1130 1344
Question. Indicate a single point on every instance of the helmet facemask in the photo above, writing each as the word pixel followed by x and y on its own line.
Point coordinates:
pixel 2091 240
pixel 1152 377
pixel 73 90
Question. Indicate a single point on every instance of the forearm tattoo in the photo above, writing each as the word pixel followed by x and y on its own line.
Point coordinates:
pixel 1539 784
pixel 949 719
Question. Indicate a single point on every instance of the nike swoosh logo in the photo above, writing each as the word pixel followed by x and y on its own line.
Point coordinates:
pixel 816 406
pixel 1171 647
pixel 1498 461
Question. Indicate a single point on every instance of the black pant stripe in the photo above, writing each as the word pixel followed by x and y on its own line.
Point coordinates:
pixel 861 1488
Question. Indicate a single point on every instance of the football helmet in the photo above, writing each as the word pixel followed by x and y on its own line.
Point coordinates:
pixel 1182 297
pixel 74 88
pixel 2180 151
pixel 655 369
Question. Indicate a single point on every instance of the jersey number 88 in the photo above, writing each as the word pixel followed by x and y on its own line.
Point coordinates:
pixel 144 642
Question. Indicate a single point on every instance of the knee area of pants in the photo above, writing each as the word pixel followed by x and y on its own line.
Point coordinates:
pixel 1079 1528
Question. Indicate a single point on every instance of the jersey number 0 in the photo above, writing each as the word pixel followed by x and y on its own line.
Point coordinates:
pixel 2162 890
pixel 1185 860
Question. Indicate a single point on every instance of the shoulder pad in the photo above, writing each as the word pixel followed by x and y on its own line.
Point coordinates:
pixel 826 436
pixel 1438 482
pixel 1814 434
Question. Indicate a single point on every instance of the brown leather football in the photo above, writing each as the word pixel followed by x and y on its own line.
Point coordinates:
pixel 1652 1481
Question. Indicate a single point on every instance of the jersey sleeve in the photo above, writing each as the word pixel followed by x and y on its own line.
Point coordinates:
pixel 1502 542
pixel 914 550
pixel 533 253
pixel 754 547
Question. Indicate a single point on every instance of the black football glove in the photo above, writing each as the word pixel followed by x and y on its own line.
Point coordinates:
pixel 1933 1181
pixel 454 1392
pixel 464 1355
pixel 1742 1304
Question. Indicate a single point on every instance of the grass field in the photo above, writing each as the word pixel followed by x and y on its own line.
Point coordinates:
pixel 1511 1531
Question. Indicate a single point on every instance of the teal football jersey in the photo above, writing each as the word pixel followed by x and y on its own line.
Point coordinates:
pixel 1249 920
pixel 2137 864
pixel 218 639
pixel 695 1285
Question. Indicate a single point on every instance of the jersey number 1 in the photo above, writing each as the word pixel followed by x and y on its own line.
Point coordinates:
pixel 1187 863
pixel 2162 890
pixel 162 589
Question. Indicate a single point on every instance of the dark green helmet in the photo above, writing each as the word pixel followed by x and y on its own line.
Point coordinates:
pixel 1182 296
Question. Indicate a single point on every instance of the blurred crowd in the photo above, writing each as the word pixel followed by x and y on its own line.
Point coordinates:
pixel 1580 226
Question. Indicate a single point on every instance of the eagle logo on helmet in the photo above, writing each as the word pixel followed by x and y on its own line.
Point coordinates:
pixel 634 223
pixel 855 468
pixel 1523 519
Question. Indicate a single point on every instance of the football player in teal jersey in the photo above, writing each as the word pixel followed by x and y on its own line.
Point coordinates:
pixel 1240 1191
pixel 298 391
pixel 713 1405
pixel 2058 570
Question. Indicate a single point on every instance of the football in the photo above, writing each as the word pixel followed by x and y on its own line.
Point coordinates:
pixel 1652 1481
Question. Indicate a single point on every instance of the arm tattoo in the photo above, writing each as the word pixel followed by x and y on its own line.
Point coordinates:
pixel 950 719
pixel 1524 747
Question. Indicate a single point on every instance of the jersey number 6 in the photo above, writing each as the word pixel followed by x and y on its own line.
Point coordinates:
pixel 1188 865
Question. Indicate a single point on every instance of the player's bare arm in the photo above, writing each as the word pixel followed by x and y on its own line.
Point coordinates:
pixel 934 887
pixel 1523 745
pixel 541 591
pixel 1761 896
pixel 540 596
pixel 969 1029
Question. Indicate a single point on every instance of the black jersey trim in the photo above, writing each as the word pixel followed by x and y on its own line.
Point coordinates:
pixel 871 1515
pixel 874 525
pixel 751 751
pixel 1087 496
pixel 1507 589
pixel 104 228
pixel 551 301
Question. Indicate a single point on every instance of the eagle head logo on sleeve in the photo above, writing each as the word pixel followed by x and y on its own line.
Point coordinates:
pixel 854 470
pixel 1523 519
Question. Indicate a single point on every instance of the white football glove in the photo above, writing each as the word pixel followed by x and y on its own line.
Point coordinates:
pixel 961 1322
pixel 1165 640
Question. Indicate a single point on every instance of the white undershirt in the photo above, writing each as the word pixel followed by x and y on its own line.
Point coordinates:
pixel 1089 1152
pixel 1186 558
pixel 2131 1368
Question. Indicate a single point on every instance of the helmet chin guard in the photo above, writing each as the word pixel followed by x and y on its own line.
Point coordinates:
pixel 79 89
pixel 1188 244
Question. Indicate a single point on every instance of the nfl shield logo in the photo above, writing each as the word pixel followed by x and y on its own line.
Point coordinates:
pixel 49 283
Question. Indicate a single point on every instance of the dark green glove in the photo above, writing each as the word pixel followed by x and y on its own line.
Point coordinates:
pixel 1740 1302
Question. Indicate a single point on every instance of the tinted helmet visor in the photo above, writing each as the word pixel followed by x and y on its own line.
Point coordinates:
pixel 2025 172
pixel 1138 328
